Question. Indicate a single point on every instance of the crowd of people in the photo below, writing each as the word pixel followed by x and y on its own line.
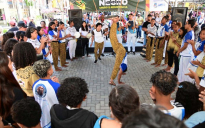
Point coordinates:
pixel 31 97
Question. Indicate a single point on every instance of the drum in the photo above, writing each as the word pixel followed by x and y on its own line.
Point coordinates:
pixel 77 35
pixel 88 35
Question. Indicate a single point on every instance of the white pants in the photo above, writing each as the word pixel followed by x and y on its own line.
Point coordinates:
pixel 183 64
pixel 119 38
pixel 165 48
pixel 131 37
pixel 72 48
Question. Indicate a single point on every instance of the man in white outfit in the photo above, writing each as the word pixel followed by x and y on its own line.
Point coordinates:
pixel 131 35
pixel 70 32
pixel 105 29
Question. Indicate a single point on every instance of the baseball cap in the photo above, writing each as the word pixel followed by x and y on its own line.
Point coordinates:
pixel 12 23
pixel 139 13
pixel 22 24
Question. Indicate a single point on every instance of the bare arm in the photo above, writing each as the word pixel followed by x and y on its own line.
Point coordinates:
pixel 182 49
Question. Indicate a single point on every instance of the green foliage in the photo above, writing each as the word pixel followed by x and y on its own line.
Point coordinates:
pixel 39 17
pixel 28 2
pixel 4 31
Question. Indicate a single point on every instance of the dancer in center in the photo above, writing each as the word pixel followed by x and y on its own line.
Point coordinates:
pixel 119 50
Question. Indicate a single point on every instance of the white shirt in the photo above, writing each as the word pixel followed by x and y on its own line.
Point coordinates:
pixel 158 19
pixel 84 33
pixel 45 94
pixel 178 111
pixel 130 30
pixel 63 35
pixel 71 31
pixel 35 43
pixel 98 36
pixel 152 30
pixel 188 51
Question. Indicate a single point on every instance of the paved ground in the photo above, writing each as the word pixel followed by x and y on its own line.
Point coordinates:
pixel 97 76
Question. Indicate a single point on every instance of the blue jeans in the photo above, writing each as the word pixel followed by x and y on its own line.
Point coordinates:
pixel 145 39
pixel 139 31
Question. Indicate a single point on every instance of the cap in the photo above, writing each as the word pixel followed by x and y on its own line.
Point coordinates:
pixel 12 23
pixel 22 24
pixel 139 13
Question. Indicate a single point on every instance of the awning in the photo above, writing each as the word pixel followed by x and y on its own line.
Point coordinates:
pixel 107 5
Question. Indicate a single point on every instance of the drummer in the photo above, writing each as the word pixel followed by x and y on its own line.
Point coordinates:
pixel 70 32
pixel 85 41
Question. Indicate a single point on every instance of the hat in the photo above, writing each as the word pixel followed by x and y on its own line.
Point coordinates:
pixel 22 24
pixel 12 23
pixel 139 13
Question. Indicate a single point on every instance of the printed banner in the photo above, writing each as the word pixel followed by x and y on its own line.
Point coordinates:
pixel 158 5
pixel 107 5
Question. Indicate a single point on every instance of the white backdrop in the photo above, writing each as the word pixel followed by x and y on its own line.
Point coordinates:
pixel 158 5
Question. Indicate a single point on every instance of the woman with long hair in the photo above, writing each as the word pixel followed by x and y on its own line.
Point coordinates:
pixel 54 44
pixel 10 91
pixel 24 56
pixel 188 95
pixel 85 41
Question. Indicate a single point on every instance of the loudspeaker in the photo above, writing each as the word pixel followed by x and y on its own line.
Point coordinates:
pixel 179 14
pixel 76 16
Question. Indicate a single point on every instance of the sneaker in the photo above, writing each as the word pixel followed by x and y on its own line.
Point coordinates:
pixel 99 58
pixel 95 61
pixel 102 55
pixel 133 53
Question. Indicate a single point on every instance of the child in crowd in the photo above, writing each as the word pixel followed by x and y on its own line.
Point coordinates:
pixel 123 69
pixel 62 44
pixel 161 33
pixel 163 85
pixel 118 107
pixel 198 46
pixel 45 89
pixel 53 36
pixel 21 36
pixel 188 95
pixel 151 33
pixel 47 52
pixel 71 94
pixel 32 34
pixel 173 38
pixel 26 113
pixel 151 118
pixel 185 52
pixel 24 56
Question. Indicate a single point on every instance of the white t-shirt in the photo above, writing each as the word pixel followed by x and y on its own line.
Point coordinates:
pixel 158 19
pixel 84 33
pixel 188 51
pixel 71 31
pixel 178 111
pixel 152 30
pixel 130 30
pixel 44 91
pixel 35 43
pixel 98 36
